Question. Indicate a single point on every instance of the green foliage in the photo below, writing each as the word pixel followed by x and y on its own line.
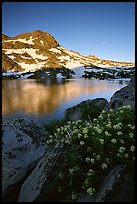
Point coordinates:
pixel 92 149
pixel 52 126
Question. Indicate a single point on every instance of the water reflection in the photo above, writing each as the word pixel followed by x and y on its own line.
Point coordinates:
pixel 43 98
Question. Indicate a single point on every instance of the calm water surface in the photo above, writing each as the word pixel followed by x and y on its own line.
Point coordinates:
pixel 47 100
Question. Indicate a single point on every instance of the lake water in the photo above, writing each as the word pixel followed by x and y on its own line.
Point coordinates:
pixel 47 100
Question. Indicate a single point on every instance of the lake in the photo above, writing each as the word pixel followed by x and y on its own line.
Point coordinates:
pixel 47 100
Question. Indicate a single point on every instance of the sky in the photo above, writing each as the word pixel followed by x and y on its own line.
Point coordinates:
pixel 103 29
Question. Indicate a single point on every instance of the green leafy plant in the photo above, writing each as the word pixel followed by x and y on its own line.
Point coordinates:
pixel 92 149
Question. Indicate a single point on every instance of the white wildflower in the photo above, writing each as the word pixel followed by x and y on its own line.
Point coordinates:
pixel 79 135
pixel 132 148
pixel 101 141
pixel 91 171
pixel 75 131
pixel 126 107
pixel 87 159
pixel 85 136
pixel 122 149
pixel 85 130
pixel 131 135
pixel 104 166
pixel 122 141
pixel 119 133
pixel 114 141
pixel 111 110
pixel 108 125
pixel 82 143
pixel 118 126
pixel 58 129
pixel 86 182
pixel 133 127
pixel 91 191
pixel 98 157
pixel 107 133
pixel 61 175
pixel 95 120
pixel 50 136
pixel 71 171
pixel 73 196
pixel 69 122
pixel 49 141
pixel 92 161
pixel 62 140
pixel 100 117
pixel 97 129
pixel 67 141
pixel 129 125
pixel 126 155
pixel 118 155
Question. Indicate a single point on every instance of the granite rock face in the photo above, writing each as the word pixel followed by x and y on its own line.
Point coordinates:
pixel 42 183
pixel 117 186
pixel 124 96
pixel 23 144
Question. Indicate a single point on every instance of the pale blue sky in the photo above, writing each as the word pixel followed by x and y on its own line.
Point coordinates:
pixel 103 29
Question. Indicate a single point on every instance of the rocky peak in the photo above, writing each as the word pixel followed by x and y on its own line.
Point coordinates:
pixel 38 49
pixel 5 37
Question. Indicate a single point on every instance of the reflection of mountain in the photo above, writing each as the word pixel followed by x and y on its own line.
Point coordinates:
pixel 42 99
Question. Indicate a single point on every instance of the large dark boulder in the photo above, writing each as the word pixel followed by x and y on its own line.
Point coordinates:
pixel 86 110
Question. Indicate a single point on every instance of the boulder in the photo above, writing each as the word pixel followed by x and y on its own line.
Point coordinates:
pixel 117 186
pixel 86 110
pixel 42 183
pixel 23 144
pixel 124 96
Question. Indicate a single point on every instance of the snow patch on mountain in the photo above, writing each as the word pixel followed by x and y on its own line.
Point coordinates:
pixel 30 67
pixel 30 41
pixel 30 51
pixel 73 64
pixel 42 42
pixel 55 50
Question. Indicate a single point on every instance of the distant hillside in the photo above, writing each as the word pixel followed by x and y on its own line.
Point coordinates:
pixel 35 50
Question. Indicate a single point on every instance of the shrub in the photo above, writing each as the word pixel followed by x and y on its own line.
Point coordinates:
pixel 93 149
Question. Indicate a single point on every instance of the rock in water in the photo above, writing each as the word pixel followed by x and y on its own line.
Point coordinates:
pixel 86 110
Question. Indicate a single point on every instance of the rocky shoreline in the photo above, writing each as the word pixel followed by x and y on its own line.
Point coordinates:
pixel 28 160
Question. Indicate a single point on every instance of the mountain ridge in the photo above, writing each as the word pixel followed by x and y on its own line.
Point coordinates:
pixel 31 51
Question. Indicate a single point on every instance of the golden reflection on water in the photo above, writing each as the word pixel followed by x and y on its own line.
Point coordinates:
pixel 31 97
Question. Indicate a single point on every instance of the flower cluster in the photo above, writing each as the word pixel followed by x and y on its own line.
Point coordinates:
pixel 91 148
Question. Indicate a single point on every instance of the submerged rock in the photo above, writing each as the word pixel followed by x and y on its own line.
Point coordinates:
pixel 23 144
pixel 86 110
